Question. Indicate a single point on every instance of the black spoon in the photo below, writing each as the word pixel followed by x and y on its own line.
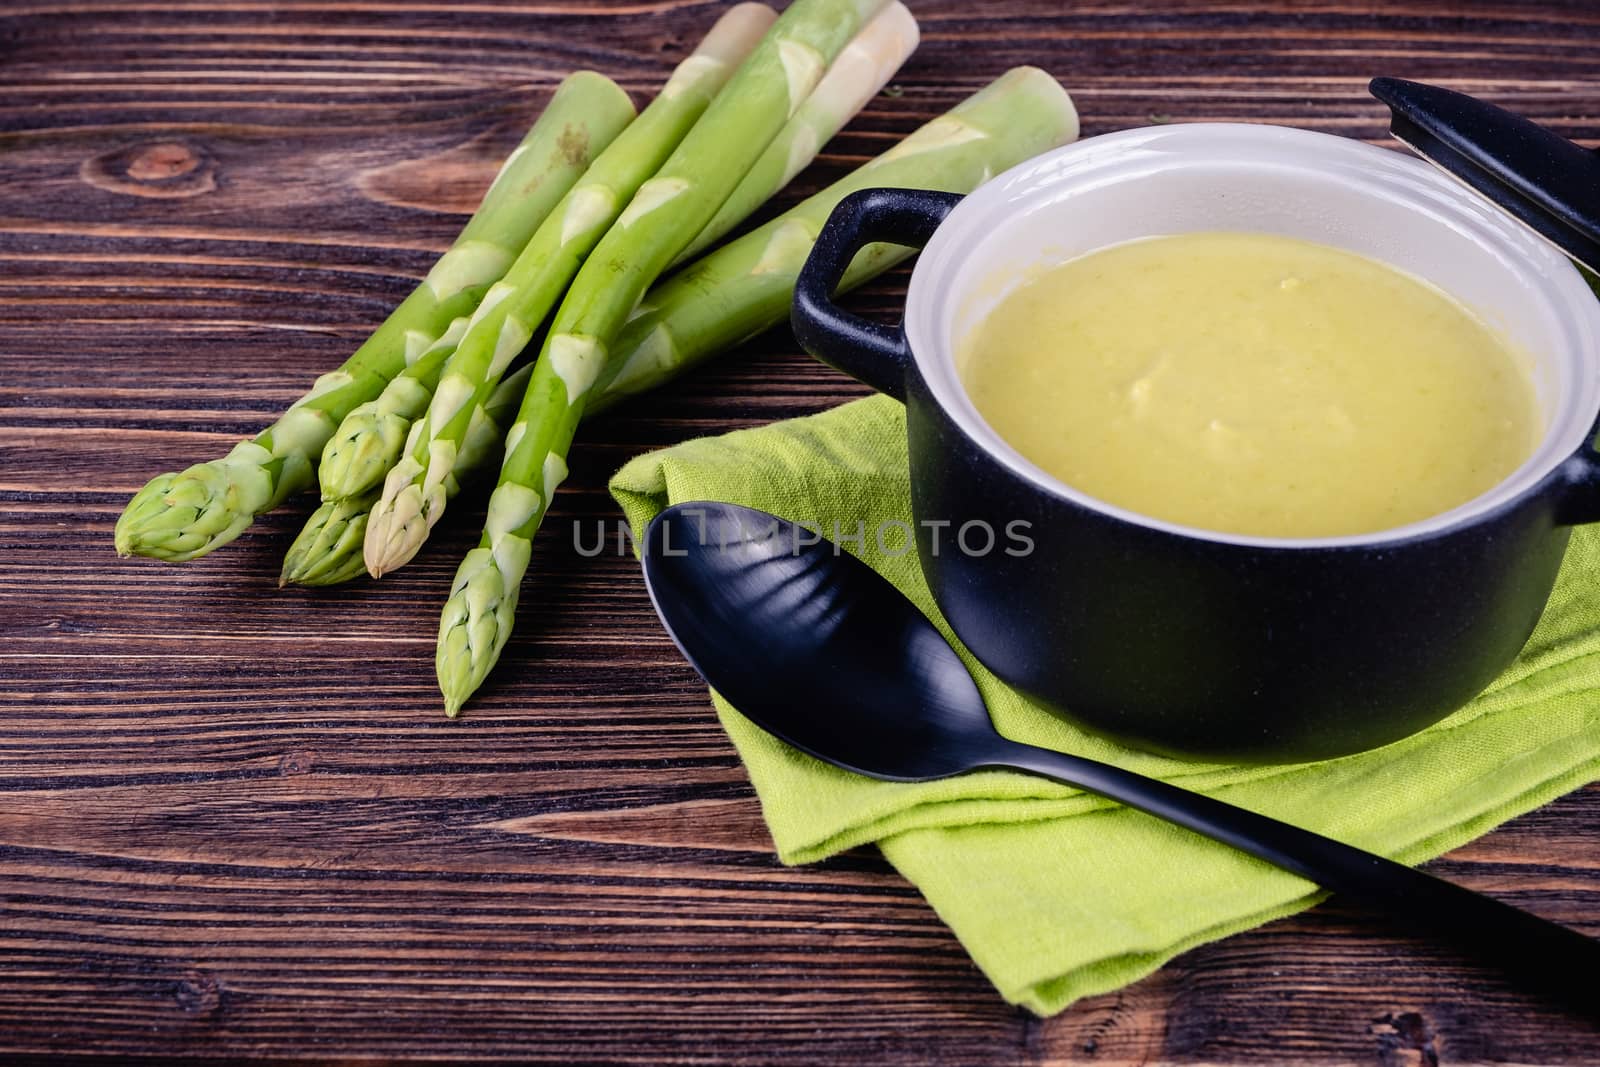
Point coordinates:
pixel 821 651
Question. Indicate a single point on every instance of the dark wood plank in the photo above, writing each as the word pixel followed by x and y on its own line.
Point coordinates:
pixel 232 821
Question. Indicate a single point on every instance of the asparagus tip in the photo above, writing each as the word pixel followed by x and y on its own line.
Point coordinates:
pixel 393 536
pixel 183 515
pixel 451 687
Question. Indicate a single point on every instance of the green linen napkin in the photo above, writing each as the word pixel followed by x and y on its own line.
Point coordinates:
pixel 1055 893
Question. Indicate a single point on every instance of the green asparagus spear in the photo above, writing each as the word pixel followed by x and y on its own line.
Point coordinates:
pixel 184 515
pixel 863 68
pixel 328 549
pixel 413 498
pixel 746 287
pixel 368 443
pixel 666 214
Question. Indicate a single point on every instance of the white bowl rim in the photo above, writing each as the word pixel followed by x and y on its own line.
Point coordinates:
pixel 1569 296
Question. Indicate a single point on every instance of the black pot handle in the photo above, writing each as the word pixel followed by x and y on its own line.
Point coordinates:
pixel 870 352
pixel 1578 494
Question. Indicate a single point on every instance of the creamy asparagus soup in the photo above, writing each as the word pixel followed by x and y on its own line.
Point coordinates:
pixel 1252 384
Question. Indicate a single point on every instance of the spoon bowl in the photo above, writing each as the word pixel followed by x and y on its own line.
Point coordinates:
pixel 866 682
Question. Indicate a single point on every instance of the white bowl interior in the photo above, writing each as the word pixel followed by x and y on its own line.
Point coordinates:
pixel 1184 178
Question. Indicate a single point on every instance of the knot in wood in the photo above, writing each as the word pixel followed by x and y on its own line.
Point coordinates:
pixel 198 993
pixel 159 169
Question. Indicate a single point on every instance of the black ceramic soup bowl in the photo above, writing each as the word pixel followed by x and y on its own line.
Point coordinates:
pixel 1181 640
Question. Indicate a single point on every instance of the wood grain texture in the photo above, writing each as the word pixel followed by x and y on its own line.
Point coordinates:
pixel 232 820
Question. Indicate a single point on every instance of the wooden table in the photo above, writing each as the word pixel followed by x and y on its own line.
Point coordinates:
pixel 232 819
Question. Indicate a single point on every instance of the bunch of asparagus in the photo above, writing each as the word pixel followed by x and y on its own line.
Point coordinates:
pixel 574 235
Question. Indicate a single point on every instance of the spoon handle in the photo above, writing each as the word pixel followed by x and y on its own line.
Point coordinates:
pixel 1560 957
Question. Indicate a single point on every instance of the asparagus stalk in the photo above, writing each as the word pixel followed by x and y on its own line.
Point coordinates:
pixel 413 496
pixel 862 69
pixel 746 287
pixel 328 549
pixel 183 515
pixel 666 214
pixel 368 444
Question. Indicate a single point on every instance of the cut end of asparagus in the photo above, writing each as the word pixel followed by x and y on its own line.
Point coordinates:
pixel 869 61
pixel 1019 85
pixel 857 74
pixel 597 103
pixel 860 70
pixel 732 36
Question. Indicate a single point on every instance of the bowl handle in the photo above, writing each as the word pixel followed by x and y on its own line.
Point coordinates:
pixel 1578 490
pixel 870 352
